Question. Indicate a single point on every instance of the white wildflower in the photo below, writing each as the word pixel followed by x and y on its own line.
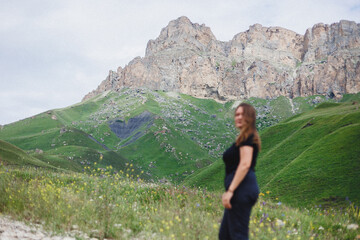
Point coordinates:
pixel 279 223
pixel 352 226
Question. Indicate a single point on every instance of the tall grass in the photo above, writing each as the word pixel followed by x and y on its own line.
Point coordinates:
pixel 106 204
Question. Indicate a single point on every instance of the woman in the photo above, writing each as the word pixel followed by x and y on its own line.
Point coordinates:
pixel 241 186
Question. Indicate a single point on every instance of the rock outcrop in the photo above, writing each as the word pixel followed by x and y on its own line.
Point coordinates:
pixel 264 62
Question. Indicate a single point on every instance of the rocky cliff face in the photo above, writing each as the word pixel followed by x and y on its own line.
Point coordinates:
pixel 261 62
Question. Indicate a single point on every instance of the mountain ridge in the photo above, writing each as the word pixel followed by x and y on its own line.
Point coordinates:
pixel 264 62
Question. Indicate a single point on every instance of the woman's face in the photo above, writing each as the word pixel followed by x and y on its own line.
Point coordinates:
pixel 239 118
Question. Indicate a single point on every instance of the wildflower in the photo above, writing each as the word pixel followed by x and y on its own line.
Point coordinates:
pixel 352 226
pixel 197 205
pixel 267 192
pixel 279 203
pixel 280 223
pixel 321 228
pixel 161 230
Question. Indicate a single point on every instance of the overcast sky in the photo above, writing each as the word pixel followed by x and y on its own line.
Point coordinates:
pixel 53 52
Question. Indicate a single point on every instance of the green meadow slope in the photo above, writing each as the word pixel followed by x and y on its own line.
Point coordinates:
pixel 165 135
pixel 58 144
pixel 313 157
pixel 168 136
pixel 11 155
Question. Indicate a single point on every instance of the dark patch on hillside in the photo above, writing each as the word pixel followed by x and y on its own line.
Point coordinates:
pixel 124 130
pixel 103 145
pixel 307 125
pixel 133 139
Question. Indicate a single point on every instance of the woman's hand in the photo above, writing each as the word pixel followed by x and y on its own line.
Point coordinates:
pixel 226 197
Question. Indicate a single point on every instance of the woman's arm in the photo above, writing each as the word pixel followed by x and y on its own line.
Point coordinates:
pixel 246 153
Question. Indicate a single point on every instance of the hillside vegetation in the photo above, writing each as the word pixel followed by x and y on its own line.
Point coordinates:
pixel 172 137
pixel 11 155
pixel 310 156
pixel 167 135
pixel 313 157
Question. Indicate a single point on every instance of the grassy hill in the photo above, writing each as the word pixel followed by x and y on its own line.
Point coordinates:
pixel 311 157
pixel 50 140
pixel 11 155
pixel 309 144
pixel 167 135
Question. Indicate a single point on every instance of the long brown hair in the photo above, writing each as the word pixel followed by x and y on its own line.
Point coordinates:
pixel 249 126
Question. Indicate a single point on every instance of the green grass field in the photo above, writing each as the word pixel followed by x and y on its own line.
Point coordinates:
pixel 311 158
pixel 167 183
pixel 104 204
pixel 186 136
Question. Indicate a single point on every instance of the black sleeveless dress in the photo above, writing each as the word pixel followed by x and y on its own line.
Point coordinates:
pixel 235 223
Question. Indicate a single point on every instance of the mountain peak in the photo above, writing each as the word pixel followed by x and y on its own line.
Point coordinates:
pixel 182 19
pixel 181 33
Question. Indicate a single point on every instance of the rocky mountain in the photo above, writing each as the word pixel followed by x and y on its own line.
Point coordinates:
pixel 264 62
